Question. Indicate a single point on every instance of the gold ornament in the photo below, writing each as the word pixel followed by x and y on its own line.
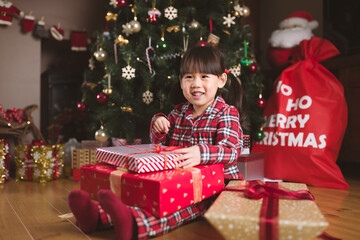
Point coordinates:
pixel 107 91
pixel 111 16
pixel 100 54
pixel 101 135
pixel 175 28
pixel 121 41
pixel 236 13
pixel 194 24
pixel 135 25
pixel 246 11
pixel 127 109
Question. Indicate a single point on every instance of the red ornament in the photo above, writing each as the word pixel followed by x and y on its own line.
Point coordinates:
pixel 260 103
pixel 81 106
pixel 102 98
pixel 121 3
pixel 201 43
pixel 253 68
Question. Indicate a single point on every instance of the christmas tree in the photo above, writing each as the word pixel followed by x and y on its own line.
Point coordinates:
pixel 137 57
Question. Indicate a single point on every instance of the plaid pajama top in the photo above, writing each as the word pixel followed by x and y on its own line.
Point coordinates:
pixel 217 132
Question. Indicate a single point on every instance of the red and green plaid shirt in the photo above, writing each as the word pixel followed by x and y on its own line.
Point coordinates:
pixel 217 132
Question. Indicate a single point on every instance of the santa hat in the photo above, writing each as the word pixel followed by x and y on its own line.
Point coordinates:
pixel 57 33
pixel 299 18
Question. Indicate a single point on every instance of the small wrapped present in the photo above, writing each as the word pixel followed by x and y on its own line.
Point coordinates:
pixel 39 162
pixel 251 166
pixel 254 210
pixel 165 192
pixel 95 177
pixel 92 144
pixel 81 157
pixel 139 158
pixel 4 161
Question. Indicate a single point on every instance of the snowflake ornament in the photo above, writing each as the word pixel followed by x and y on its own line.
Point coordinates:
pixel 113 3
pixel 91 63
pixel 127 29
pixel 229 20
pixel 37 156
pixel 236 70
pixel 170 13
pixel 147 97
pixel 49 172
pixel 6 149
pixel 22 172
pixel 49 154
pixel 128 72
pixel 37 173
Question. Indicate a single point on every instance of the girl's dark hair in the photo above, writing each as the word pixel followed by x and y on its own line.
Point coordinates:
pixel 210 60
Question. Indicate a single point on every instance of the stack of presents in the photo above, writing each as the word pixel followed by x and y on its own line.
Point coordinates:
pixel 146 176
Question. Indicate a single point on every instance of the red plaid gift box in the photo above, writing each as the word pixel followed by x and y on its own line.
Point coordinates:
pixel 139 158
pixel 165 192
pixel 95 177
pixel 4 161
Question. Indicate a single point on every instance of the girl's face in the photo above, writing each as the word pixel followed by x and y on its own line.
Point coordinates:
pixel 200 89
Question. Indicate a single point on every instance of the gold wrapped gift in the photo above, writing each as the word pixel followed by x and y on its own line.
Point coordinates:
pixel 81 157
pixel 40 163
pixel 236 216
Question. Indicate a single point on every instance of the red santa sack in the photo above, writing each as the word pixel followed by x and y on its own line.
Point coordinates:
pixel 306 117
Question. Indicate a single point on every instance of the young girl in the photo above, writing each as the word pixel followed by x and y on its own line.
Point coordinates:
pixel 205 125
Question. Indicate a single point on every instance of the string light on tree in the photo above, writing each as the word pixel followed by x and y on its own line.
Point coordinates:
pixel 259 134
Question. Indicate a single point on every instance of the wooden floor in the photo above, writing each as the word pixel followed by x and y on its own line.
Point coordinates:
pixel 30 211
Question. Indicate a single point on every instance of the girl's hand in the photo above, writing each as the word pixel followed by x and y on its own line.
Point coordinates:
pixel 161 125
pixel 191 155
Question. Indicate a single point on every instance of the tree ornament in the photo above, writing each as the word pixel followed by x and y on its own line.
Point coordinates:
pixel 236 13
pixel 170 13
pixel 246 61
pixel 246 11
pixel 201 43
pixel 128 72
pixel 118 3
pixel 121 41
pixel 100 54
pixel 108 90
pixel 135 25
pixel 243 10
pixel 236 70
pixel 147 97
pixel 253 67
pixel 127 29
pixel 194 24
pixel 81 106
pixel 154 14
pixel 229 20
pixel 91 63
pixel 110 16
pixel 260 102
pixel 101 135
pixel 162 44
pixel 259 135
pixel 102 98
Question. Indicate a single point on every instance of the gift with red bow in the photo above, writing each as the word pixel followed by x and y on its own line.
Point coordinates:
pixel 270 210
pixel 139 158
